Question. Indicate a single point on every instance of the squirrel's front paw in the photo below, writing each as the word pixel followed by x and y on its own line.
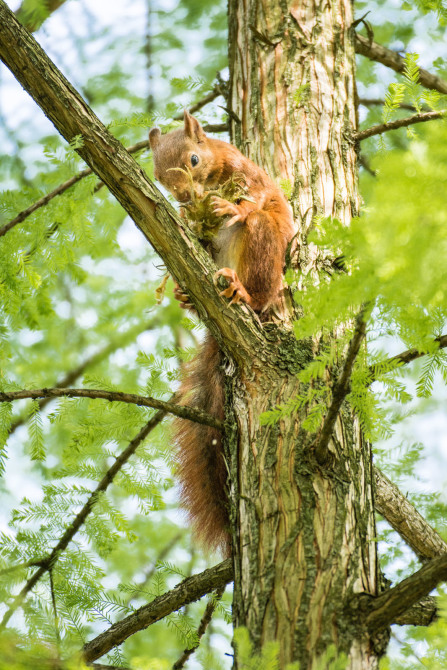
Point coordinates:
pixel 236 290
pixel 183 298
pixel 222 207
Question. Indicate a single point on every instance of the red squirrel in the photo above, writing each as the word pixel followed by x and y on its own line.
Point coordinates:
pixel 249 248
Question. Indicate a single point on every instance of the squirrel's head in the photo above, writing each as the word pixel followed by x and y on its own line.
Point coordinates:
pixel 187 148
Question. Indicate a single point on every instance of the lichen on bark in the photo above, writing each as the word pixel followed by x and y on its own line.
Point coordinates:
pixel 305 533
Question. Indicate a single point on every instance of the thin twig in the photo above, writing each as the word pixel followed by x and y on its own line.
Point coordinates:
pixel 371 102
pixel 341 388
pixel 189 590
pixel 207 615
pixel 161 556
pixel 392 59
pixel 398 123
pixel 24 214
pixel 47 563
pixel 35 562
pixel 56 622
pixel 405 357
pixel 139 146
pixel 72 375
pixel 191 413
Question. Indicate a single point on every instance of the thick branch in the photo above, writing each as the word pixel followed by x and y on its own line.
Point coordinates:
pixel 190 413
pixel 341 388
pixel 392 59
pixel 384 610
pixel 406 520
pixel 48 562
pixel 398 123
pixel 236 329
pixel 188 591
pixel 422 613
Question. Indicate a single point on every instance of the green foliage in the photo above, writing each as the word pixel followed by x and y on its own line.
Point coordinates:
pixel 77 296
pixel 248 660
pixel 77 290
pixel 269 657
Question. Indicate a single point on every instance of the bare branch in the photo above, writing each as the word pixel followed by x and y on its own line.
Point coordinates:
pixel 341 388
pixel 398 123
pixel 189 590
pixel 405 357
pixel 48 562
pixel 392 59
pixel 384 609
pixel 422 613
pixel 212 95
pixel 406 520
pixel 190 413
pixel 207 616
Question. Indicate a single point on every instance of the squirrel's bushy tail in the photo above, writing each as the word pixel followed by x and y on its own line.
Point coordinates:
pixel 202 470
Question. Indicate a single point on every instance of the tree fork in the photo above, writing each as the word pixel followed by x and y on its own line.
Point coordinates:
pixel 238 330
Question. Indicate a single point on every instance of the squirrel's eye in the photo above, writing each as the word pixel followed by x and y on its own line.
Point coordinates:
pixel 194 160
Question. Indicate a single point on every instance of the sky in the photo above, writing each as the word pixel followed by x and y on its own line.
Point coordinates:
pixel 18 111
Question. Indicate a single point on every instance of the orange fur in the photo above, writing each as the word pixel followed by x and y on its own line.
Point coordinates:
pixel 249 248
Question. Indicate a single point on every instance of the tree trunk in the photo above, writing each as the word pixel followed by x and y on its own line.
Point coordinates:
pixel 304 534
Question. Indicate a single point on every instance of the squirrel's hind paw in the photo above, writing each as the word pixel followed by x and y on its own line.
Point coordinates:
pixel 236 290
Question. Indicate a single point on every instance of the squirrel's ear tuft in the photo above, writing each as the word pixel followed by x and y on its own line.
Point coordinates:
pixel 193 129
pixel 154 137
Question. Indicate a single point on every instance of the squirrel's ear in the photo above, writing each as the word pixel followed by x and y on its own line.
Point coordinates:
pixel 154 137
pixel 193 129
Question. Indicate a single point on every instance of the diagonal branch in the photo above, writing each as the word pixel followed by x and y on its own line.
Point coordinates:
pixel 206 618
pixel 406 520
pixel 398 123
pixel 405 357
pixel 384 609
pixel 391 59
pixel 341 388
pixel 191 413
pixel 422 613
pixel 237 330
pixel 189 590
pixel 48 562
pixel 135 148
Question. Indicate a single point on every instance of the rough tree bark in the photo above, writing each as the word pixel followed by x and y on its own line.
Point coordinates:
pixel 304 533
pixel 305 556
